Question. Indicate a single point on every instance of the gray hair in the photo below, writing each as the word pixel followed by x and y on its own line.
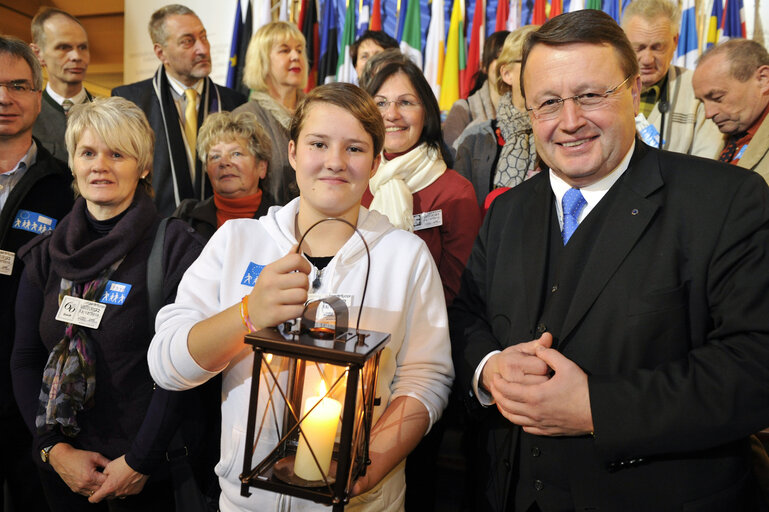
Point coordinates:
pixel 43 15
pixel 652 9
pixel 157 25
pixel 743 55
pixel 15 47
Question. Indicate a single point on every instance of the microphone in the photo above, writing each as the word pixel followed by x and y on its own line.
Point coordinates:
pixel 663 107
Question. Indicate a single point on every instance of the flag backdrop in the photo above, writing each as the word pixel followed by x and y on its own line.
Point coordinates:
pixel 454 62
pixel 435 48
pixel 329 53
pixel 687 51
pixel 232 69
pixel 476 47
pixel 344 70
pixel 411 40
pixel 733 23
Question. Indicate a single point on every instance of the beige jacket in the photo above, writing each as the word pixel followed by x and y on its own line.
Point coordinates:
pixel 756 157
pixel 686 129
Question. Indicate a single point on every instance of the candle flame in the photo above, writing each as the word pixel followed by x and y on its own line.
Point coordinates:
pixel 322 388
pixel 268 358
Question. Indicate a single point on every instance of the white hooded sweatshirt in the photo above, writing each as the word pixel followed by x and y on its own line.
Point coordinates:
pixel 404 298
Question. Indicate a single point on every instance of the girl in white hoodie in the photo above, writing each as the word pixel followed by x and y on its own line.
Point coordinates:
pixel 336 138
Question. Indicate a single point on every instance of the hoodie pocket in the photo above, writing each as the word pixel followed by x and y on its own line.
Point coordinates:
pixel 232 449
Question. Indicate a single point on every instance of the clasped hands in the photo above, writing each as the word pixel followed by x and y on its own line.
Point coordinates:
pixel 540 389
pixel 94 475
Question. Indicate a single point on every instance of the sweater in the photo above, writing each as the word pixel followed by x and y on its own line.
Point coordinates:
pixel 403 298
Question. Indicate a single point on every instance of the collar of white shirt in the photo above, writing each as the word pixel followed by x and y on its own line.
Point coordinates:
pixel 179 87
pixel 593 193
pixel 77 99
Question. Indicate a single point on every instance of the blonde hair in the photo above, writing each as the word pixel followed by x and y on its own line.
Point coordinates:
pixel 512 52
pixel 121 125
pixel 258 53
pixel 226 126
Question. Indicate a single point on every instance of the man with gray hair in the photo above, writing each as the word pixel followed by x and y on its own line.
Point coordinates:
pixel 177 100
pixel 61 44
pixel 667 98
pixel 732 81
pixel 34 196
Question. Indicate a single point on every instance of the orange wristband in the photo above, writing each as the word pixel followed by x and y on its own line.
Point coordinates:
pixel 244 314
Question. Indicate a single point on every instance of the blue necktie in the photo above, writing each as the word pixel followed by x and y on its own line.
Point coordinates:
pixel 572 202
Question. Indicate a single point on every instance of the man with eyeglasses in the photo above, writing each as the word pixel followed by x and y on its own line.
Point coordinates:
pixel 34 196
pixel 61 45
pixel 667 97
pixel 177 99
pixel 612 329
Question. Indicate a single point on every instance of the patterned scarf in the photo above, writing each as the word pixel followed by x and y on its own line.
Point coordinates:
pixel 69 376
pixel 518 155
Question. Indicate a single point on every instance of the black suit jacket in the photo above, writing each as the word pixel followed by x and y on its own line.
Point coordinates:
pixel 171 176
pixel 45 189
pixel 51 125
pixel 667 313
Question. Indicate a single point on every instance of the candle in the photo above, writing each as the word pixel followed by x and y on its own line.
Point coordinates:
pixel 319 428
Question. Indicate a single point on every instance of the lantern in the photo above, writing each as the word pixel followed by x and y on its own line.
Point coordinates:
pixel 314 405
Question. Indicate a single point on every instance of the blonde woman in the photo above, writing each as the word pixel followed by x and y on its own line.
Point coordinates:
pixel 276 73
pixel 500 153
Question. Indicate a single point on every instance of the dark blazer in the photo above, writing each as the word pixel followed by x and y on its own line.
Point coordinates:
pixel 45 189
pixel 666 311
pixel 51 125
pixel 171 177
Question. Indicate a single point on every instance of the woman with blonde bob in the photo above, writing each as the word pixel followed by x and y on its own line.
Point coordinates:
pixel 336 136
pixel 235 151
pixel 500 153
pixel 98 425
pixel 276 73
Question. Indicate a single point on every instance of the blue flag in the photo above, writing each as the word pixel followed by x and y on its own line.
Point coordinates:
pixel 232 69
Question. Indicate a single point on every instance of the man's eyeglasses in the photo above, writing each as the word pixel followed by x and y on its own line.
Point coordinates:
pixel 550 109
pixel 18 87
pixel 383 104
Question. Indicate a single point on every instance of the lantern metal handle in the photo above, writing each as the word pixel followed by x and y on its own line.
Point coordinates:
pixel 368 258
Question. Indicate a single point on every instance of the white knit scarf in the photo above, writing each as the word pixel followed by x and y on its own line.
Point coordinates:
pixel 398 179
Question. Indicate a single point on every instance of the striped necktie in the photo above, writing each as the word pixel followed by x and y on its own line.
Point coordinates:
pixel 66 105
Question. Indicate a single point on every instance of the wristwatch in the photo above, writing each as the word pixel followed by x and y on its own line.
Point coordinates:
pixel 45 453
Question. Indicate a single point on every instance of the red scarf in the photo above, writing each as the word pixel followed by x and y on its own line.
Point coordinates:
pixel 236 208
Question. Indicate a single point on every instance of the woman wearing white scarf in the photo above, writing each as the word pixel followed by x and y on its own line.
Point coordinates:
pixel 417 192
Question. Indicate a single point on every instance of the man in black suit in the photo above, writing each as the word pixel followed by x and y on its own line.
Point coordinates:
pixel 34 196
pixel 177 100
pixel 61 45
pixel 613 317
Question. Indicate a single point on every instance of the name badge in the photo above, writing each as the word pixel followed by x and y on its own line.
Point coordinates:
pixel 6 262
pixel 427 220
pixel 115 293
pixel 741 152
pixel 325 312
pixel 252 274
pixel 33 222
pixel 85 313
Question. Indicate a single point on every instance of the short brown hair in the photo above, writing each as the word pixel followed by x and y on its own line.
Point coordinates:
pixel 121 125
pixel 157 24
pixel 17 48
pixel 349 97
pixel 227 126
pixel 586 26
pixel 44 14
pixel 743 55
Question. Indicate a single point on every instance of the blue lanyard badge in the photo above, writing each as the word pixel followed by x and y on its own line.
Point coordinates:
pixel 33 222
pixel 115 293
pixel 252 273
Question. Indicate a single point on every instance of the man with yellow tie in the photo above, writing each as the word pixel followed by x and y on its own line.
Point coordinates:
pixel 176 100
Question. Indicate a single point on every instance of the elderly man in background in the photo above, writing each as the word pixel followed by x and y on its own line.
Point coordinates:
pixel 34 196
pixel 177 100
pixel 61 45
pixel 732 81
pixel 667 98
pixel 613 316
